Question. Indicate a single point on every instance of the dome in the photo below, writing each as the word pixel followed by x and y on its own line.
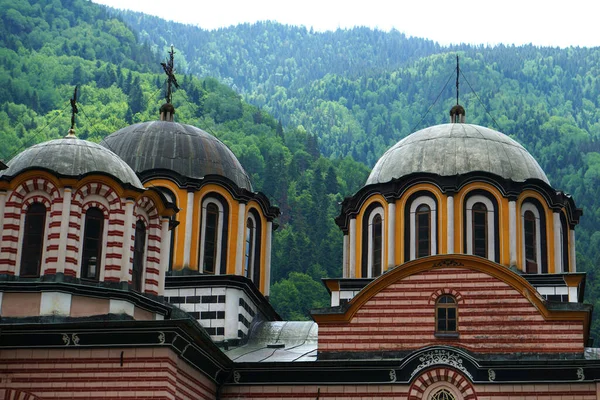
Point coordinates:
pixel 72 157
pixel 454 149
pixel 184 149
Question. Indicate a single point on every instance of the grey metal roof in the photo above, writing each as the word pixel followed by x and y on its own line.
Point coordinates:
pixel 280 341
pixel 453 149
pixel 185 149
pixel 72 157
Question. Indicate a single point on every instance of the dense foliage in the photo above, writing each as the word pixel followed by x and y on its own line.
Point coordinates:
pixel 320 102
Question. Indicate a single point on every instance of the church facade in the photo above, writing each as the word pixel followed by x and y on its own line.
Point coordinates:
pixel 140 268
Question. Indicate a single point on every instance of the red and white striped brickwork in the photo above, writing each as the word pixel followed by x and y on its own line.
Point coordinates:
pixel 103 197
pixel 493 318
pixel 146 373
pixel 32 190
pixel 146 210
pixel 420 388
pixel 93 194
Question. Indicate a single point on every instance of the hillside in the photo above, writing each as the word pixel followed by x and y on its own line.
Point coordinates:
pixel 298 108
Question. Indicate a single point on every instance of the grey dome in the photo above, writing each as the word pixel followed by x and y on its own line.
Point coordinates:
pixel 72 157
pixel 454 149
pixel 185 149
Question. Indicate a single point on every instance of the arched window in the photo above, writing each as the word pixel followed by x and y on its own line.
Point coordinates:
pixel 446 315
pixel 250 246
pixel 92 244
pixel 531 242
pixel 376 234
pixel 139 248
pixel 33 240
pixel 534 250
pixel 211 238
pixel 421 226
pixel 481 222
pixel 423 229
pixel 480 226
pixel 443 394
pixel 213 235
pixel 372 241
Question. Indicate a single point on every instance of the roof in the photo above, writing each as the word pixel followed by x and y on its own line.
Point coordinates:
pixel 72 157
pixel 181 148
pixel 278 342
pixel 455 149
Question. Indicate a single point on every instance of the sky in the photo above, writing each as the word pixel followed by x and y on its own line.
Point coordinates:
pixel 542 23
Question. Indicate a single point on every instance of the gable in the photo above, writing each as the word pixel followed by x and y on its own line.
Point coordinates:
pixel 498 312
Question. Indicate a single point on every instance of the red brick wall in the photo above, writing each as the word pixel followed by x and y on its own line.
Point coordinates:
pixel 493 318
pixel 97 374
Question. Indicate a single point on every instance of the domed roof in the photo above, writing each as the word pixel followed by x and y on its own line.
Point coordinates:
pixel 454 149
pixel 184 149
pixel 72 157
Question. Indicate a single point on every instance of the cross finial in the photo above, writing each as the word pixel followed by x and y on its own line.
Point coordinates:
pixel 74 109
pixel 457 75
pixel 170 71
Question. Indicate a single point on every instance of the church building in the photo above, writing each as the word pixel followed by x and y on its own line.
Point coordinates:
pixel 139 268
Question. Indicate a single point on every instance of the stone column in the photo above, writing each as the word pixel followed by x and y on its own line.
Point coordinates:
pixel 128 232
pixel 165 254
pixel 512 232
pixel 187 242
pixel 352 249
pixel 345 256
pixel 391 235
pixel 241 240
pixel 64 231
pixel 558 265
pixel 450 225
pixel 572 252
pixel 268 258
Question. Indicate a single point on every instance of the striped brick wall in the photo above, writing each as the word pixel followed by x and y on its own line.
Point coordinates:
pixel 493 318
pixel 145 373
pixel 147 208
pixel 84 198
pixel 312 392
pixel 36 189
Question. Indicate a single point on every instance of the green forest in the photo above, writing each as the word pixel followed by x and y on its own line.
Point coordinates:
pixel 307 113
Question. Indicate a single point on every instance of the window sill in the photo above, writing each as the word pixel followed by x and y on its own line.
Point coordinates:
pixel 446 335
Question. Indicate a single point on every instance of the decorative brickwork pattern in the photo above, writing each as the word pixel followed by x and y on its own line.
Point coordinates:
pixel 32 190
pixel 493 317
pixel 83 199
pixel 452 377
pixel 100 374
pixel 146 209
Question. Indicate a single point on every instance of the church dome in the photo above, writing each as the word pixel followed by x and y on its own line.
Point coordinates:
pixel 181 148
pixel 72 157
pixel 455 149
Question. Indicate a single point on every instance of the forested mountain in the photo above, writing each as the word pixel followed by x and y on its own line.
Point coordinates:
pixel 360 91
pixel 306 113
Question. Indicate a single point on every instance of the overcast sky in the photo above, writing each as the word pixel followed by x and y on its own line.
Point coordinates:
pixel 544 23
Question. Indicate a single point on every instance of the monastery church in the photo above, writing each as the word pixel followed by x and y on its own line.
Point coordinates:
pixel 140 267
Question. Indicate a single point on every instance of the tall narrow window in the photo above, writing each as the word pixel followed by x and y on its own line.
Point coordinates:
pixel 139 247
pixel 529 225
pixel 480 229
pixel 250 247
pixel 92 244
pixel 377 250
pixel 33 240
pixel 446 315
pixel 423 219
pixel 211 238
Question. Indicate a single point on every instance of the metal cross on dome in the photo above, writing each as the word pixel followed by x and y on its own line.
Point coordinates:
pixel 74 109
pixel 170 71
